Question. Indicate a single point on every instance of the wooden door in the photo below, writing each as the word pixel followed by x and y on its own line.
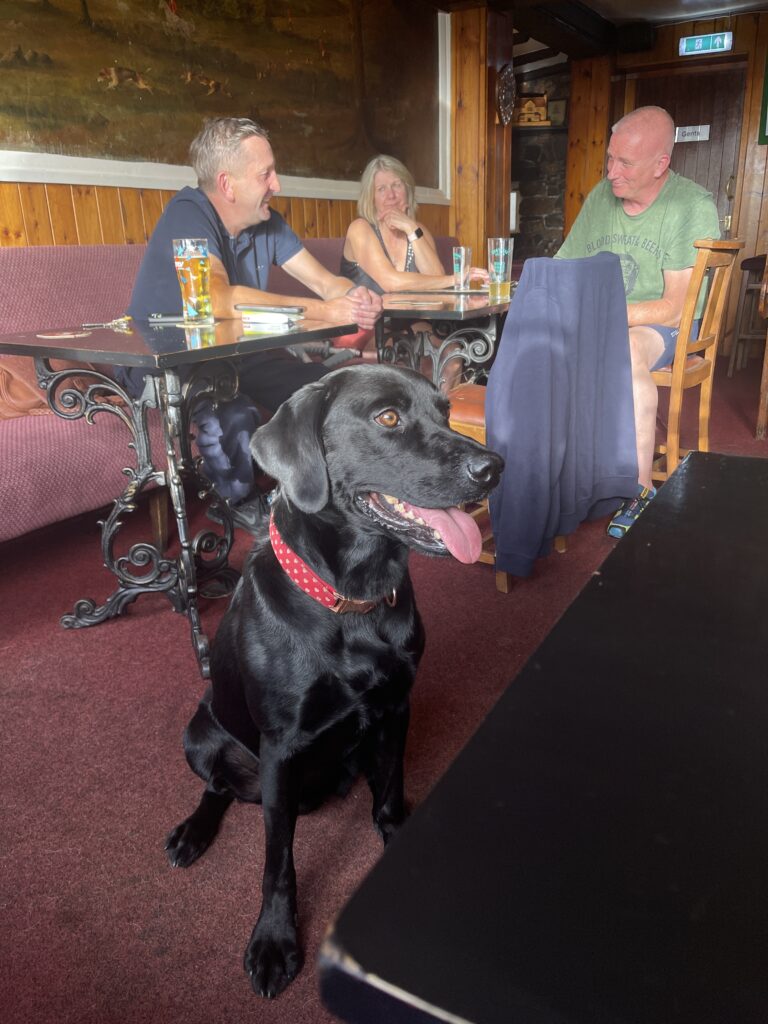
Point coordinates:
pixel 711 96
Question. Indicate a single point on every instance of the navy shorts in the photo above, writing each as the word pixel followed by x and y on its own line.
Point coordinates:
pixel 669 336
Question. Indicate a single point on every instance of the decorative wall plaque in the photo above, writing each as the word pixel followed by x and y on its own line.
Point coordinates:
pixel 506 92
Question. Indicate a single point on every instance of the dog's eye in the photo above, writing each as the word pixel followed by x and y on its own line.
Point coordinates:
pixel 388 418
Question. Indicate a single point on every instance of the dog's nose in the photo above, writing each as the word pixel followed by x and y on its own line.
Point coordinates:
pixel 485 468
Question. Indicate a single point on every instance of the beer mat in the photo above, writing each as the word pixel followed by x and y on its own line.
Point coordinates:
pixel 414 304
pixel 64 334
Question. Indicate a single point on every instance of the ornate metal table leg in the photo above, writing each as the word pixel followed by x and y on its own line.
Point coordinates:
pixel 474 347
pixel 401 347
pixel 171 401
pixel 144 568
pixel 202 560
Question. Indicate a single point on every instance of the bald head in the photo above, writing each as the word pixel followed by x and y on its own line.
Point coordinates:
pixel 638 157
pixel 652 126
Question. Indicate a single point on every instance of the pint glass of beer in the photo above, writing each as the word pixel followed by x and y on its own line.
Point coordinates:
pixel 193 269
pixel 499 269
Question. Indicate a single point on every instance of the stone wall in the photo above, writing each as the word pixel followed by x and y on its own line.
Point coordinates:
pixel 538 174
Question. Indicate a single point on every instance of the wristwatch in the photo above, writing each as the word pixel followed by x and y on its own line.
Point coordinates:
pixel 414 235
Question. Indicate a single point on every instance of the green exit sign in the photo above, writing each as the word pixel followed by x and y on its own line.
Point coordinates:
pixel 716 42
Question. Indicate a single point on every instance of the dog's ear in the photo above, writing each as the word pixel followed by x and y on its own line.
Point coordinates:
pixel 289 447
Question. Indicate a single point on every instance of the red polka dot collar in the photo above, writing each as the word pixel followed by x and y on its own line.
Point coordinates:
pixel 310 582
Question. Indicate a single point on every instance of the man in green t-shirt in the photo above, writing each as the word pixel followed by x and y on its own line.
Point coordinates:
pixel 650 217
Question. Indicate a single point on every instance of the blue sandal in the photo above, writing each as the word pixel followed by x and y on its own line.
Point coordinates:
pixel 625 518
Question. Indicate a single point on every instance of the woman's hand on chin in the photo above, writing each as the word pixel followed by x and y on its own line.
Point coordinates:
pixel 395 220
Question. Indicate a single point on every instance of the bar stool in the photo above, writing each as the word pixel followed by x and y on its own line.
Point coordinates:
pixel 747 330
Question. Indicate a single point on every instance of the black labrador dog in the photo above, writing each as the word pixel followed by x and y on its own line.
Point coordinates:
pixel 314 659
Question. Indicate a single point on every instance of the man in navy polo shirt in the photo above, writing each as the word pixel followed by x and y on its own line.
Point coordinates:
pixel 236 176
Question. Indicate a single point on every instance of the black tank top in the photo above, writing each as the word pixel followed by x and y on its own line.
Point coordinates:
pixel 358 276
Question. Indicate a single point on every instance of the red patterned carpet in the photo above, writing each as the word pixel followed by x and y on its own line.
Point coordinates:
pixel 96 927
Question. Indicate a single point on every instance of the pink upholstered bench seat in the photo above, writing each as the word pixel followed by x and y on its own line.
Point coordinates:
pixel 55 468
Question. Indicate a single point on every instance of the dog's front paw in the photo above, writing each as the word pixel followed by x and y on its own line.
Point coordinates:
pixel 272 962
pixel 187 842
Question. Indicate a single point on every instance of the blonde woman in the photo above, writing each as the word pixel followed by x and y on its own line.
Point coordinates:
pixel 387 249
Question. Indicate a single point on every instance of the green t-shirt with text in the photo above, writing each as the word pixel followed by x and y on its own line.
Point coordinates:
pixel 658 239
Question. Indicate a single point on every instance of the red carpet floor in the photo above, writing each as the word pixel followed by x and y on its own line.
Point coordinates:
pixel 96 927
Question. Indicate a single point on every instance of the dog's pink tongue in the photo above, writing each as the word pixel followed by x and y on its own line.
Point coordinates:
pixel 459 531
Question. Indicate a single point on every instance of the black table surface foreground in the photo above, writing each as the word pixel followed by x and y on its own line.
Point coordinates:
pixel 598 853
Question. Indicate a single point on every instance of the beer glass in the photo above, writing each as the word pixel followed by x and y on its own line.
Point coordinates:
pixel 499 269
pixel 193 269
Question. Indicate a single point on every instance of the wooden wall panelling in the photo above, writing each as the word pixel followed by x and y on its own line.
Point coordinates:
pixel 86 210
pixel 750 210
pixel 337 220
pixel 750 213
pixel 282 205
pixel 578 140
pixel 37 216
pixel 152 205
pixel 63 219
pixel 310 217
pixel 350 213
pixel 499 135
pixel 470 96
pixel 133 216
pixel 12 230
pixel 110 215
pixel 294 214
pixel 588 128
pixel 342 213
pixel 437 218
pixel 322 219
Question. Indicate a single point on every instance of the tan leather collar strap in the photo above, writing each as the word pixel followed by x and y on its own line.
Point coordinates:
pixel 312 585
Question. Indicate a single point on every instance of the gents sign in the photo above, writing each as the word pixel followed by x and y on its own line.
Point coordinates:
pixel 692 133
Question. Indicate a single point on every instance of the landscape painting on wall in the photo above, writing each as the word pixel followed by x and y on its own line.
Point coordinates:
pixel 333 81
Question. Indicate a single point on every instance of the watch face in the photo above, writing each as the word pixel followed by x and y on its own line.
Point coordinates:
pixel 506 93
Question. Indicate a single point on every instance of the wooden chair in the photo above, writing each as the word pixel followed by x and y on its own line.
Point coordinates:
pixel 747 328
pixel 468 417
pixel 694 362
